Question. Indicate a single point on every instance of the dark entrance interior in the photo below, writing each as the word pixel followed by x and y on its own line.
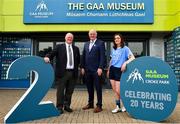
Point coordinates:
pixel 45 42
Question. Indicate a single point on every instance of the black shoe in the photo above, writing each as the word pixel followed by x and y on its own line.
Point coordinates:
pixel 60 110
pixel 68 109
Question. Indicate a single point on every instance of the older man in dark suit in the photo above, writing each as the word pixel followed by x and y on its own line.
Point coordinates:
pixel 93 62
pixel 67 62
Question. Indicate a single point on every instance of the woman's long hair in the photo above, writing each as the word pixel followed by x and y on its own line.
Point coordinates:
pixel 122 41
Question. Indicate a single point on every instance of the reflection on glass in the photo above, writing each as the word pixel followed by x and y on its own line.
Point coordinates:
pixel 80 45
pixel 12 48
pixel 44 48
pixel 136 48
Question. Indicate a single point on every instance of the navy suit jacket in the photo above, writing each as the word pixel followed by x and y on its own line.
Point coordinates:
pixel 94 59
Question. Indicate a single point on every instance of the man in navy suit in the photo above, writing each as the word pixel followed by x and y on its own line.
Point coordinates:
pixel 93 62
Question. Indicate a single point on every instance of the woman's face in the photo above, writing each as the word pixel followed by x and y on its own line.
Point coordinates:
pixel 117 40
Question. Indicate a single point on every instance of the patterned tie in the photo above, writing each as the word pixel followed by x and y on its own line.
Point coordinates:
pixel 70 55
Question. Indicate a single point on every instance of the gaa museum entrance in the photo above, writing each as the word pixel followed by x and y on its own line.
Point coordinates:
pixel 137 42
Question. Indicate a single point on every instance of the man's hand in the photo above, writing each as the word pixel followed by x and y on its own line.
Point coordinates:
pixel 107 74
pixel 46 59
pixel 99 71
pixel 82 71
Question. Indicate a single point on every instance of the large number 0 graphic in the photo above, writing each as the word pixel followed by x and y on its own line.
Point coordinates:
pixel 30 107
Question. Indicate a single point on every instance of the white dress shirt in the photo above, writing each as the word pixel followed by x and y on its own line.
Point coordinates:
pixel 91 44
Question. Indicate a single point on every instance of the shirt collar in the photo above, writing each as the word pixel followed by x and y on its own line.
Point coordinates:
pixel 93 41
pixel 68 44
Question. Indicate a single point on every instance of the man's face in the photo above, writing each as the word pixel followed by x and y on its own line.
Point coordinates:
pixel 69 38
pixel 92 35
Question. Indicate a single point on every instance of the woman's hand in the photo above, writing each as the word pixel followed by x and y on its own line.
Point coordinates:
pixel 46 59
pixel 123 67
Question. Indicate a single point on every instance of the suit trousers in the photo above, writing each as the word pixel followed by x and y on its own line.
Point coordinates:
pixel 65 88
pixel 91 79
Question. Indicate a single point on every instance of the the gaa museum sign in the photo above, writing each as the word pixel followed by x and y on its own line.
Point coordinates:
pixel 88 11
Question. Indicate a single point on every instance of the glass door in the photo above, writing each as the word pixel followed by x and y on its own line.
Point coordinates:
pixel 137 48
pixel 44 48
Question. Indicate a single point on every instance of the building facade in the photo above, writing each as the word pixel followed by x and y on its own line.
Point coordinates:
pixel 18 38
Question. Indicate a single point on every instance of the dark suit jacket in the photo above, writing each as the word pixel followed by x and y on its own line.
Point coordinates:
pixel 94 59
pixel 61 59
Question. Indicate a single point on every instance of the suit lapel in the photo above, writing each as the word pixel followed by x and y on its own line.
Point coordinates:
pixel 64 49
pixel 87 46
pixel 73 50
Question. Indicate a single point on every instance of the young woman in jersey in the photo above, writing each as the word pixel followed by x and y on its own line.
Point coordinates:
pixel 121 55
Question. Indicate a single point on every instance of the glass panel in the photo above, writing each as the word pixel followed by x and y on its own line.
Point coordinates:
pixel 11 49
pixel 44 48
pixel 80 45
pixel 111 47
pixel 58 43
pixel 136 48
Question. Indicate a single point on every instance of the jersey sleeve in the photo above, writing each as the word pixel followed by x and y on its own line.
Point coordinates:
pixel 128 52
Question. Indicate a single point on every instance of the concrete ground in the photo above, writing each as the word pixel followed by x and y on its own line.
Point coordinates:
pixel 9 97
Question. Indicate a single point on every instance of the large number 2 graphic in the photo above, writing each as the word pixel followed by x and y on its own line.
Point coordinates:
pixel 30 107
